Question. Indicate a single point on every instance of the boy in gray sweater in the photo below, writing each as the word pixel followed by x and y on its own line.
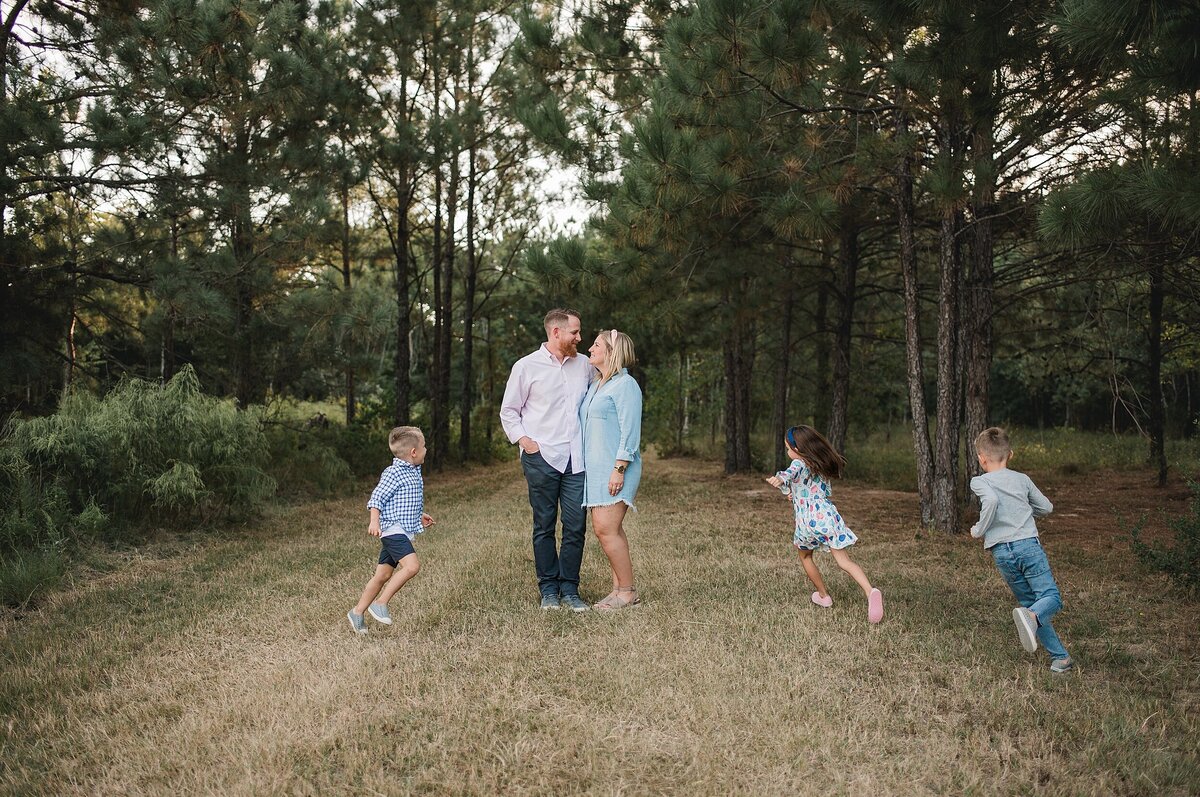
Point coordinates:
pixel 1009 501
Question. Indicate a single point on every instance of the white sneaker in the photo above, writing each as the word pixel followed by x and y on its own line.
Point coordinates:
pixel 1026 628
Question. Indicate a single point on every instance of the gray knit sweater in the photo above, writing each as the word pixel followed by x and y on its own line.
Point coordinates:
pixel 1009 501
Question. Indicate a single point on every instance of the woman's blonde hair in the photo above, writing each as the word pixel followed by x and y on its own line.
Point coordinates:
pixel 620 353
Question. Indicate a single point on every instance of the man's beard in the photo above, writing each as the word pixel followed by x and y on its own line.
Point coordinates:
pixel 569 349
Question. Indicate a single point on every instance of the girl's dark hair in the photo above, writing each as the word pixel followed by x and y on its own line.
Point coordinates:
pixel 817 451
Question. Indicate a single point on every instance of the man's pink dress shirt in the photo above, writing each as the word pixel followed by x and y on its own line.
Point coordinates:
pixel 542 401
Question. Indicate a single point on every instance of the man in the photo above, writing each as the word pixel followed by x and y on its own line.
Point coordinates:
pixel 540 413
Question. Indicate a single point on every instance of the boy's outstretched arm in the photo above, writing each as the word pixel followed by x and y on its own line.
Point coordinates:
pixel 373 527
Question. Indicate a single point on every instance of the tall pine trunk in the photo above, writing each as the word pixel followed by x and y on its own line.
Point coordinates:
pixel 915 371
pixel 467 397
pixel 945 484
pixel 345 197
pixel 404 188
pixel 468 353
pixel 979 302
pixel 445 322
pixel 848 259
pixel 243 282
pixel 779 420
pixel 739 367
pixel 820 414
pixel 1158 457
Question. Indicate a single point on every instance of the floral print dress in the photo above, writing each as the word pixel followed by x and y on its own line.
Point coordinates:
pixel 819 526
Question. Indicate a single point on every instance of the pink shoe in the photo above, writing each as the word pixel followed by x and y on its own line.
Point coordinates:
pixel 875 606
pixel 825 602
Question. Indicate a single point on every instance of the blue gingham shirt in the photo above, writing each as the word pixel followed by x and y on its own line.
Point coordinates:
pixel 400 499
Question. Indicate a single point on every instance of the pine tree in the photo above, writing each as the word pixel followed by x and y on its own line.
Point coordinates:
pixel 1144 199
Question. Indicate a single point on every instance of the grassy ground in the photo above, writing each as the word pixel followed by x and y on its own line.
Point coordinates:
pixel 228 667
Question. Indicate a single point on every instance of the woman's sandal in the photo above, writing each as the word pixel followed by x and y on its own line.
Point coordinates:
pixel 614 602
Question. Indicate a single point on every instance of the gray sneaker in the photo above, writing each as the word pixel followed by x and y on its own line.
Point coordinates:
pixel 551 602
pixel 357 622
pixel 380 613
pixel 1062 665
pixel 1026 628
pixel 574 603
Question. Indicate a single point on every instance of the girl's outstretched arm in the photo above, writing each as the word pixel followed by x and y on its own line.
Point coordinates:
pixel 784 478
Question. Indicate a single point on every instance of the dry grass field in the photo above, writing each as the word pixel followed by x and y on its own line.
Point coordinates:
pixel 226 666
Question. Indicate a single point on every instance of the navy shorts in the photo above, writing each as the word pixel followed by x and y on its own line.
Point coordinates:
pixel 395 548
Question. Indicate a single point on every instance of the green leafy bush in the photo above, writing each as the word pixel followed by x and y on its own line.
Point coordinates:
pixel 1182 560
pixel 143 452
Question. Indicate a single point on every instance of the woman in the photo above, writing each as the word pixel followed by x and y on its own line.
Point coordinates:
pixel 611 419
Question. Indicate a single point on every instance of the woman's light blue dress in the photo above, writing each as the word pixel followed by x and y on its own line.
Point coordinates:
pixel 611 419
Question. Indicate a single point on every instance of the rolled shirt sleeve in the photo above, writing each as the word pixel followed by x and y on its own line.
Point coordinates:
pixel 629 418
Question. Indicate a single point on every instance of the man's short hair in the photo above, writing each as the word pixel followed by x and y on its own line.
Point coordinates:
pixel 558 317
pixel 993 444
pixel 403 439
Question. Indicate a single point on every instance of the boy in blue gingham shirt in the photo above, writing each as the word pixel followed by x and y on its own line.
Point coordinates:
pixel 397 507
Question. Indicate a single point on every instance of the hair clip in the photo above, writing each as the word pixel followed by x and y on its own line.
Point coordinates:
pixel 612 337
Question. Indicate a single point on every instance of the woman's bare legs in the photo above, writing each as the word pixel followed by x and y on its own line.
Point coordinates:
pixel 606 521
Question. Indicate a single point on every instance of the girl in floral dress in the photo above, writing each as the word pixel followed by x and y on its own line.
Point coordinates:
pixel 819 526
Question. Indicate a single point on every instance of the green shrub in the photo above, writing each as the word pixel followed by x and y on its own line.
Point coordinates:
pixel 1182 560
pixel 143 452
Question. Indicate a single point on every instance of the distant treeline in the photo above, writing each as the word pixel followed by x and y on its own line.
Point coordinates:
pixel 847 214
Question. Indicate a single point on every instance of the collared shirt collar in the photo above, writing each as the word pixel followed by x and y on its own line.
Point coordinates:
pixel 404 463
pixel 554 358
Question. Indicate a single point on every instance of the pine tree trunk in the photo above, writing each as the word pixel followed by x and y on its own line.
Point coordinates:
pixel 468 354
pixel 441 430
pixel 437 375
pixel 243 257
pixel 979 293
pixel 945 484
pixel 1158 456
pixel 730 354
pixel 350 402
pixel 779 420
pixel 745 372
pixel 820 414
pixel 915 371
pixel 681 403
pixel 738 353
pixel 467 399
pixel 402 361
pixel 847 286
pixel 166 353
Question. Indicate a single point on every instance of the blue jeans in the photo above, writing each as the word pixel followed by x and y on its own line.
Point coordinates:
pixel 1027 570
pixel 557 568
